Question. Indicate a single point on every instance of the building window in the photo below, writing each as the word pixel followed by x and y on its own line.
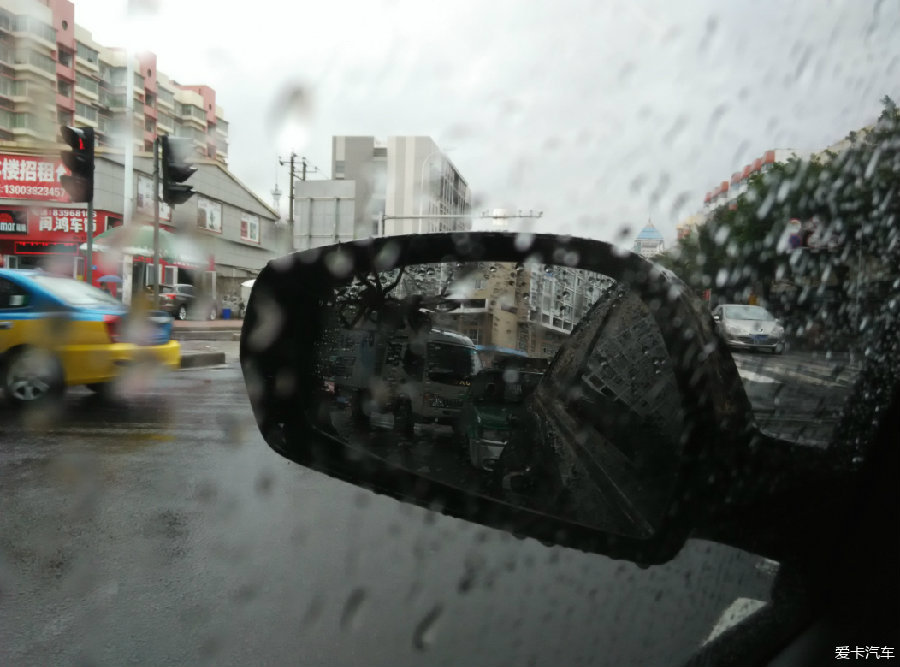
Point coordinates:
pixel 86 53
pixel 64 58
pixel 64 117
pixel 150 100
pixel 166 96
pixel 87 83
pixel 149 125
pixel 250 228
pixel 36 27
pixel 86 111
pixel 64 88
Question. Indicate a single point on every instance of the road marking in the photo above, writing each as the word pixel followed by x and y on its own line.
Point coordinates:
pixel 753 376
pixel 737 612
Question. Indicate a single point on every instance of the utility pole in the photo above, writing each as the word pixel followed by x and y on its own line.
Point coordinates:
pixel 303 170
pixel 156 280
pixel 291 187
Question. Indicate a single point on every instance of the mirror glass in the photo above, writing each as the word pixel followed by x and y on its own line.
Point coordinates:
pixel 539 385
pixel 545 386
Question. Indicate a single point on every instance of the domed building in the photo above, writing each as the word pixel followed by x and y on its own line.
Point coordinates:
pixel 649 242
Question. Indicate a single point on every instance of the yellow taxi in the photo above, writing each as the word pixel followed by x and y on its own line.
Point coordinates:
pixel 57 332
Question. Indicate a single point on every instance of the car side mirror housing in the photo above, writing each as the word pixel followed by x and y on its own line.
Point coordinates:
pixel 625 429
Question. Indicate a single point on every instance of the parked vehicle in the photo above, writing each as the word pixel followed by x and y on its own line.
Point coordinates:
pixel 57 332
pixel 753 327
pixel 182 302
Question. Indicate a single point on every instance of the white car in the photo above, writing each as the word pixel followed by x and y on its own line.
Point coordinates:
pixel 753 327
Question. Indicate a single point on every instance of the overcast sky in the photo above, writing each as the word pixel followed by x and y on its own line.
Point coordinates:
pixel 599 114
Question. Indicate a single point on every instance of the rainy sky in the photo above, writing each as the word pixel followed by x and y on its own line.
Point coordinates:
pixel 602 115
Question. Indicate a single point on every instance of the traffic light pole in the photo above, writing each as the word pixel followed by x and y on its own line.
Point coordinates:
pixel 156 224
pixel 89 260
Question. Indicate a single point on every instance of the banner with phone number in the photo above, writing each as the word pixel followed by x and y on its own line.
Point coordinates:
pixel 31 177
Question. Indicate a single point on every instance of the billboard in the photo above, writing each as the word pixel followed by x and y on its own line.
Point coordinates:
pixel 145 199
pixel 31 177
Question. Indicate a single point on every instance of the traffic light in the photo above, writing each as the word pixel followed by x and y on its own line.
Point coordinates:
pixel 80 161
pixel 175 170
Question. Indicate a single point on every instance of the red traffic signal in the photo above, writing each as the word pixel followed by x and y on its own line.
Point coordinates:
pixel 80 161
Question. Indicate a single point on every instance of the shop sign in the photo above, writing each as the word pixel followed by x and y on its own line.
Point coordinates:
pixel 31 177
pixel 13 222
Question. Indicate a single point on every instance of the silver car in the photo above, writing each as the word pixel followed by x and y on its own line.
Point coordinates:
pixel 753 327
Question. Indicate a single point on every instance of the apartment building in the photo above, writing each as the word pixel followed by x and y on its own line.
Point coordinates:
pixel 53 73
pixel 530 307
pixel 406 179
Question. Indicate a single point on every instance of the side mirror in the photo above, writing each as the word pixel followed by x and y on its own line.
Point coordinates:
pixel 626 428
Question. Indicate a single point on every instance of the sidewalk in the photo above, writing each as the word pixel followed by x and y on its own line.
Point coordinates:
pixel 225 330
pixel 207 342
pixel 197 353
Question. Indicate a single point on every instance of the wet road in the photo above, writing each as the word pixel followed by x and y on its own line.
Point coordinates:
pixel 165 532
pixel 797 395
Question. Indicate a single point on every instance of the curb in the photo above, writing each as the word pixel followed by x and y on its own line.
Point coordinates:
pixel 206 334
pixel 198 359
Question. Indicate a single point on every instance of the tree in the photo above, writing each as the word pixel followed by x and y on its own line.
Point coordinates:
pixel 853 195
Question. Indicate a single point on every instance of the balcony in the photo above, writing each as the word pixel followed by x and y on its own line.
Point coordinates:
pixel 9 87
pixel 63 72
pixel 66 103
pixel 37 63
pixel 165 99
pixel 36 31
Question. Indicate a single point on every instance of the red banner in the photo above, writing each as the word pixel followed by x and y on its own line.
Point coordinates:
pixel 62 224
pixel 31 177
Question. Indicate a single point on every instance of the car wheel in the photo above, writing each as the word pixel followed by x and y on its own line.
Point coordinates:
pixel 462 447
pixel 358 409
pixel 474 458
pixel 102 389
pixel 403 418
pixel 778 349
pixel 31 376
pixel 182 312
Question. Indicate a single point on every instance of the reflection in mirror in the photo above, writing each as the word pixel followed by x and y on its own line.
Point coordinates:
pixel 542 386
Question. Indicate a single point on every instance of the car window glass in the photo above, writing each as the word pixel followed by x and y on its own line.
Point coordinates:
pixel 75 293
pixel 12 295
pixel 751 146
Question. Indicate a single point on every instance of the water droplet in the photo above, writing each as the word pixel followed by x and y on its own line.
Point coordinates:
pixel 424 634
pixel 351 608
pixel 313 611
pixel 264 482
pixel 523 241
pixel 291 114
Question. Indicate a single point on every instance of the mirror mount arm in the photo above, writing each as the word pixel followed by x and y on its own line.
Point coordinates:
pixel 784 501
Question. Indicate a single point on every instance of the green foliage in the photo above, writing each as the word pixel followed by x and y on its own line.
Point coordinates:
pixel 854 193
